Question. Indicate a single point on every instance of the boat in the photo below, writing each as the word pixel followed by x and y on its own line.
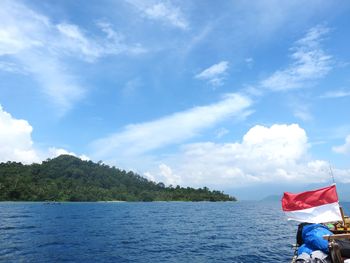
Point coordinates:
pixel 338 243
pixel 324 232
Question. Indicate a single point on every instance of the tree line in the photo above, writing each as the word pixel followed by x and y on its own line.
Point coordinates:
pixel 68 178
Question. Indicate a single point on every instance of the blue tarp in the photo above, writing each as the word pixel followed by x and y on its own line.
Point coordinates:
pixel 304 249
pixel 313 237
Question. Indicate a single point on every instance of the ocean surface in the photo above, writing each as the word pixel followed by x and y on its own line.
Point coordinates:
pixel 146 232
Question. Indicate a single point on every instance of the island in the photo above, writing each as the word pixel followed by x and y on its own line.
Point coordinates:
pixel 68 178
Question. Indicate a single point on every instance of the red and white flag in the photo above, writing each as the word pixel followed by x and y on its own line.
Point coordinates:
pixel 316 206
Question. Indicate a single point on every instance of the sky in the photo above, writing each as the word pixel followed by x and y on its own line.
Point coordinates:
pixel 244 97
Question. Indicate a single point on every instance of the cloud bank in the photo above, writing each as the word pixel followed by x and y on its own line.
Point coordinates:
pixel 16 142
pixel 275 154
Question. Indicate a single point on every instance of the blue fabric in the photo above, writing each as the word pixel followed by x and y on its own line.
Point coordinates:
pixel 313 237
pixel 304 249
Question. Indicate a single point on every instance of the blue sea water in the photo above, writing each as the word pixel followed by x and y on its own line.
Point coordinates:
pixel 146 232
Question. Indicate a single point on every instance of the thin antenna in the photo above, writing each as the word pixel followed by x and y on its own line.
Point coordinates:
pixel 331 171
pixel 340 208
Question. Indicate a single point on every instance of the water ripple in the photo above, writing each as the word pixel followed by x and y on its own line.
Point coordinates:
pixel 166 232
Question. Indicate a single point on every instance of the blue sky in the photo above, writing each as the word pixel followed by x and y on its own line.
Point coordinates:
pixel 232 95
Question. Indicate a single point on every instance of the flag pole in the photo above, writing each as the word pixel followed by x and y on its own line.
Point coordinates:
pixel 341 213
pixel 340 208
pixel 343 217
pixel 332 175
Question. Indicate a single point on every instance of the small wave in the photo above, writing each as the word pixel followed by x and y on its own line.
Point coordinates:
pixel 18 216
pixel 17 227
pixel 8 228
pixel 127 242
pixel 8 251
pixel 53 243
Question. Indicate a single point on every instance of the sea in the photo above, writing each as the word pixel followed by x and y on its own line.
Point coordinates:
pixel 243 231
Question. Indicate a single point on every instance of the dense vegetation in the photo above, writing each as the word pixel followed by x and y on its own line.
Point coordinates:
pixel 67 178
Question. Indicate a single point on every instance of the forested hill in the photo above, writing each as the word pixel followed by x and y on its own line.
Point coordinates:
pixel 67 178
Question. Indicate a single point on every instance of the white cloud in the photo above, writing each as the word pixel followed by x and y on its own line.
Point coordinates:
pixel 345 148
pixel 149 176
pixel 25 37
pixel 16 142
pixel 310 62
pixel 167 176
pixel 335 94
pixel 164 175
pixel 40 47
pixel 276 154
pixel 215 74
pixel 20 28
pixel 178 127
pixel 55 152
pixel 15 139
pixel 75 41
pixel 56 82
pixel 161 11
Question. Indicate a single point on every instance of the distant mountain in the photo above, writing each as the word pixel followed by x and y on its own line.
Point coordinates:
pixel 272 198
pixel 343 192
pixel 67 178
pixel 261 191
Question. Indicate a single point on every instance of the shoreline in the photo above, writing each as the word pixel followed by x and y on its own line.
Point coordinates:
pixel 117 201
